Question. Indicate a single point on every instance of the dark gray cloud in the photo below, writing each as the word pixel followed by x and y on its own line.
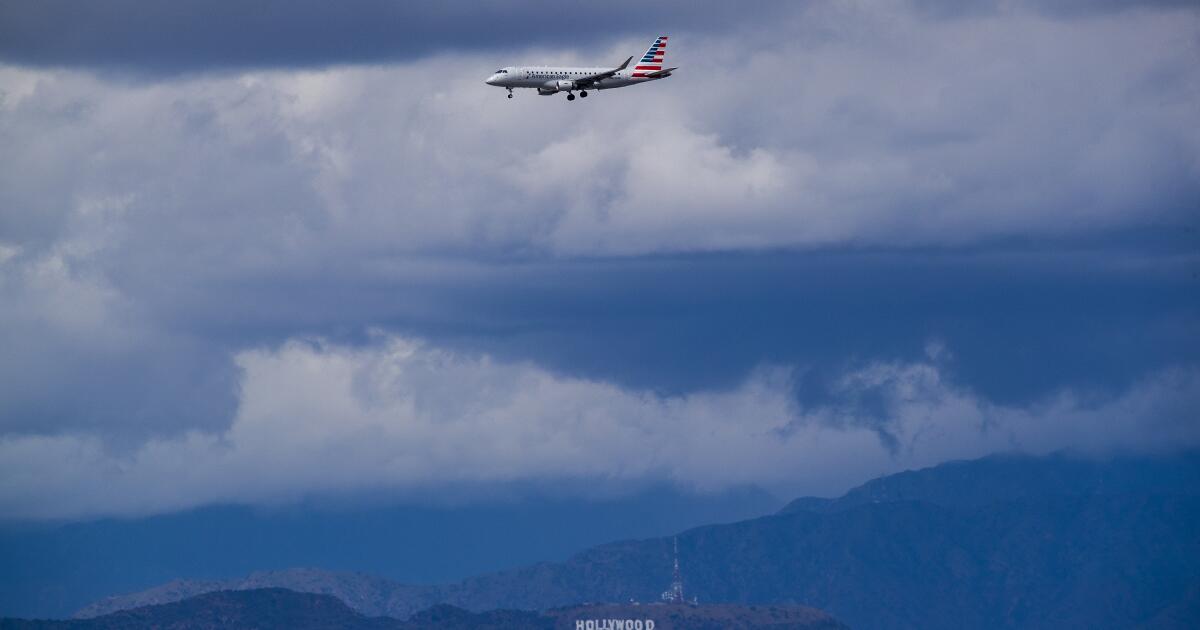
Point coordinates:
pixel 990 213
pixel 1057 8
pixel 154 38
pixel 199 35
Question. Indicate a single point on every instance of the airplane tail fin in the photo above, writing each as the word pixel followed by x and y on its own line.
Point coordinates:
pixel 652 62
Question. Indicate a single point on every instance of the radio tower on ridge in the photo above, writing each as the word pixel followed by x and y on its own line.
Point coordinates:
pixel 675 593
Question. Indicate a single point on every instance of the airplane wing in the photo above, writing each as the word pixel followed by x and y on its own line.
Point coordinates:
pixel 589 80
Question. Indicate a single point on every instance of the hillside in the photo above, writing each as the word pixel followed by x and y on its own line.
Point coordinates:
pixel 367 594
pixel 1001 478
pixel 995 543
pixel 234 610
pixel 275 608
pixel 413 542
pixel 702 617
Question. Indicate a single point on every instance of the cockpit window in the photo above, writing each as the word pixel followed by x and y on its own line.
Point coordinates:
pixel 502 72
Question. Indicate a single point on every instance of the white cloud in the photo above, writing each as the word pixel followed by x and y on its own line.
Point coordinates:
pixel 840 125
pixel 317 418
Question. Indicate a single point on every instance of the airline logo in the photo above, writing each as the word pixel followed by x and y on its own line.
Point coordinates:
pixel 652 61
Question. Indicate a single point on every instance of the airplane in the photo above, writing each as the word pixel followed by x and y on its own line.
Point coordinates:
pixel 550 80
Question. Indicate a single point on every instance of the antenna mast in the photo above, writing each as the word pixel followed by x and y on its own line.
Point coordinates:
pixel 675 593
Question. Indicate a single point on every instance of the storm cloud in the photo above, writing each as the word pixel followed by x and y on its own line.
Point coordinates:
pixel 318 419
pixel 148 39
pixel 771 239
pixel 891 130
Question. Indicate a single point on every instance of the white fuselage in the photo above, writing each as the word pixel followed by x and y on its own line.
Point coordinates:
pixel 554 79
pixel 549 80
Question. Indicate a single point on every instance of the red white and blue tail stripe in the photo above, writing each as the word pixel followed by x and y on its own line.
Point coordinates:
pixel 652 61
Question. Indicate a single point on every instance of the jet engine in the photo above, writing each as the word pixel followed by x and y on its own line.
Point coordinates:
pixel 553 87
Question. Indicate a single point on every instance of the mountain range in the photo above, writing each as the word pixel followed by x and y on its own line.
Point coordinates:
pixel 1000 542
pixel 52 569
pixel 268 608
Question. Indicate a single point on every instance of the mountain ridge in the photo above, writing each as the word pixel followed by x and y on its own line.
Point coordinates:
pixel 997 477
pixel 901 551
pixel 268 608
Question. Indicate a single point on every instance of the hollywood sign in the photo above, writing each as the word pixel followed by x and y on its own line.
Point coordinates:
pixel 614 624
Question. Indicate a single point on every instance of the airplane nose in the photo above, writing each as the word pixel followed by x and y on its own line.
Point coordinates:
pixel 491 80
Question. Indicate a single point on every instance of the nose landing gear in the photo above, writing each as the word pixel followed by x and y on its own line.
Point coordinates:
pixel 509 92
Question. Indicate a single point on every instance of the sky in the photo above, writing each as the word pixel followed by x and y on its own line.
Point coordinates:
pixel 257 256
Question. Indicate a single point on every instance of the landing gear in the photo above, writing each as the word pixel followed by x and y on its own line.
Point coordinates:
pixel 509 92
pixel 570 97
pixel 583 94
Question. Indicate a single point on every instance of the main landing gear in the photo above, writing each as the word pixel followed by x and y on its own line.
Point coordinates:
pixel 582 94
pixel 570 97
